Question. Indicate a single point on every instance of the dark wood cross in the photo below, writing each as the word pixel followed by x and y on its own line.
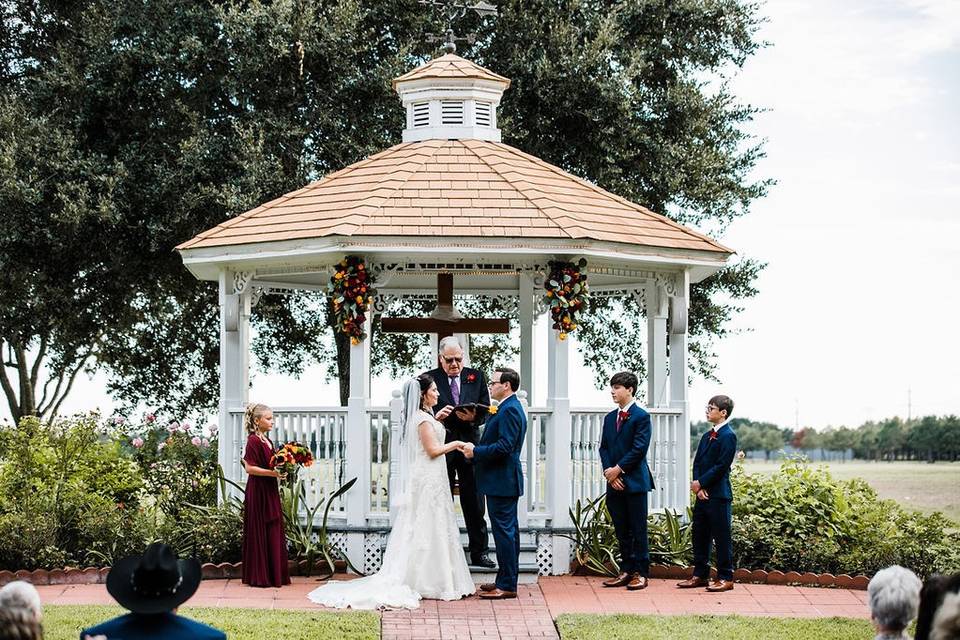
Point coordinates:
pixel 445 321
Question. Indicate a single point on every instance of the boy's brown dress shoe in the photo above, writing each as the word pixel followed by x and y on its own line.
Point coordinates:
pixel 692 583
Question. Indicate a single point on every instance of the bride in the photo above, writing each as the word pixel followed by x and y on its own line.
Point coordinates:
pixel 424 557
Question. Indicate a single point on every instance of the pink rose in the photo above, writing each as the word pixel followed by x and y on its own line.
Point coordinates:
pixel 173 427
pixel 150 417
pixel 196 441
pixel 161 446
pixel 213 429
pixel 205 443
pixel 137 442
pixel 186 426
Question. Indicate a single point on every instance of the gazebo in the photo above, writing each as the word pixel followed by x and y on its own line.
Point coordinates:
pixel 452 199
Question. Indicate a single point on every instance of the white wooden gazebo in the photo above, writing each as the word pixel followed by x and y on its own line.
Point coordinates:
pixel 451 198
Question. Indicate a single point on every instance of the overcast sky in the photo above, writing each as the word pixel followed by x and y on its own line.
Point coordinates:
pixel 859 303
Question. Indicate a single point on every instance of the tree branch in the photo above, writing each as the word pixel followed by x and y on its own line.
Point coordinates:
pixel 27 405
pixel 35 372
pixel 8 391
pixel 66 392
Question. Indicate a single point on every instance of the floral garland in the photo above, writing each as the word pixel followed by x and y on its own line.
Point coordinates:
pixel 567 292
pixel 350 292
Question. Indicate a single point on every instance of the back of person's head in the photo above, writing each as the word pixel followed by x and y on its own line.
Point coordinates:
pixel 17 623
pixel 939 614
pixel 21 595
pixel 894 596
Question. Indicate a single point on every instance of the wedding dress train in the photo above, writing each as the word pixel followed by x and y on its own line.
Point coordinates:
pixel 424 557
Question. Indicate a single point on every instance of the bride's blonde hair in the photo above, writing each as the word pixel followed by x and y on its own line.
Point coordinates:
pixel 252 414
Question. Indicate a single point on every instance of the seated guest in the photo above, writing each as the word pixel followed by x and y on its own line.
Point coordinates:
pixel 894 596
pixel 17 623
pixel 21 595
pixel 939 614
pixel 151 587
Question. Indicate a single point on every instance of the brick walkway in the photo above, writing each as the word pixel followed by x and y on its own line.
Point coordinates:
pixel 531 615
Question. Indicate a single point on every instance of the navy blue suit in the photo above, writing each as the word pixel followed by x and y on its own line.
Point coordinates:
pixel 627 447
pixel 496 460
pixel 161 626
pixel 712 518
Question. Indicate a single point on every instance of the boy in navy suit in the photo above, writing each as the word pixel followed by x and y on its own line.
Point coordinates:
pixel 713 512
pixel 623 452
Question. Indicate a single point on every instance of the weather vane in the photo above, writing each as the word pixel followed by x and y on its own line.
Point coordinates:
pixel 455 10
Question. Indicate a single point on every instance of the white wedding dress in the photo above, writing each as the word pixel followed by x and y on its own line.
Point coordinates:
pixel 424 557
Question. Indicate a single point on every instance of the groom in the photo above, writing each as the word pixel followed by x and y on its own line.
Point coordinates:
pixel 496 461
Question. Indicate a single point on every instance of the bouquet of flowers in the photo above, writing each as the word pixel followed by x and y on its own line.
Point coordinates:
pixel 290 457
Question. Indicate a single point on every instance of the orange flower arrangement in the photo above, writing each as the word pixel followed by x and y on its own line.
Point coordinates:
pixel 290 456
pixel 351 294
pixel 567 293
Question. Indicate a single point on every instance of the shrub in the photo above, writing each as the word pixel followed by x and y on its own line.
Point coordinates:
pixel 801 519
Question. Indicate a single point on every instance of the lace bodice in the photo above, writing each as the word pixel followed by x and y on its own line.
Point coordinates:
pixel 439 433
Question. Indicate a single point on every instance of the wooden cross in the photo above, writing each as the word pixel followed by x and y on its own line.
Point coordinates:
pixel 445 321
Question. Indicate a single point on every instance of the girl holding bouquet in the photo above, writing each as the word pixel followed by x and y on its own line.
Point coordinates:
pixel 264 541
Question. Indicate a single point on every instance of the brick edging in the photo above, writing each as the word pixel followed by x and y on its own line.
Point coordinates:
pixel 759 576
pixel 98 575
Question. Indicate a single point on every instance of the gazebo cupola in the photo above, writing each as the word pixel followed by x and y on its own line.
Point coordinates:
pixel 451 98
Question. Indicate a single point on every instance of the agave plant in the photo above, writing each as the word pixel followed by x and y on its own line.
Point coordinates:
pixel 594 540
pixel 300 528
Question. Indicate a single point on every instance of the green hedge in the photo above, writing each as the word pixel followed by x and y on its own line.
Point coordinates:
pixel 801 519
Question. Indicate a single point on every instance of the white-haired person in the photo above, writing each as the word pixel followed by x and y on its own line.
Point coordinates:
pixel 20 612
pixel 894 597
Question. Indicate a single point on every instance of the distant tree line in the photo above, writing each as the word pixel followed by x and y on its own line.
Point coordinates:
pixel 929 438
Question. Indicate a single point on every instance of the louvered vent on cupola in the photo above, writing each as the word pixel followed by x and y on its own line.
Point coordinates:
pixel 450 98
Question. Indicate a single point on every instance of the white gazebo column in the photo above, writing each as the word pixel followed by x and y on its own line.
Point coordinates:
pixel 234 367
pixel 526 310
pixel 357 454
pixel 559 467
pixel 656 307
pixel 679 308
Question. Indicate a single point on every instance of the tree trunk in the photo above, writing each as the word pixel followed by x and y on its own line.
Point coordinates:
pixel 342 343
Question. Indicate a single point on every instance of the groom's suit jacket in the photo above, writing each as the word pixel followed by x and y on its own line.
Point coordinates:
pixel 473 388
pixel 628 448
pixel 496 460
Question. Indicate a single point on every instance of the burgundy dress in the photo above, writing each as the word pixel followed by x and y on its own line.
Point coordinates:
pixel 264 543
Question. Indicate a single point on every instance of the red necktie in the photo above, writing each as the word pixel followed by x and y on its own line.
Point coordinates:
pixel 621 417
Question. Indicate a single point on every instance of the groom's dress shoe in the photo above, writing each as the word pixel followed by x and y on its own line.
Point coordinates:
pixel 720 585
pixel 621 580
pixel 691 583
pixel 487 586
pixel 498 594
pixel 637 582
pixel 481 560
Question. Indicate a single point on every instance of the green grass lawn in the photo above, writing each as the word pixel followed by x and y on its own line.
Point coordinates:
pixel 64 622
pixel 915 485
pixel 594 627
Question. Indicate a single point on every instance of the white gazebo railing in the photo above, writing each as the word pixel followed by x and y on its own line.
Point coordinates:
pixel 324 431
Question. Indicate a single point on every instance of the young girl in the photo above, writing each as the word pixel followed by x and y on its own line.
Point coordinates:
pixel 264 542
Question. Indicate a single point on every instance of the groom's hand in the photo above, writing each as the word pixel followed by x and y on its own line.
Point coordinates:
pixel 467 449
pixel 467 415
pixel 443 413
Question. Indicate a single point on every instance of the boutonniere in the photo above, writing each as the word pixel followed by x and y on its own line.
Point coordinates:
pixel 713 434
pixel 471 377
pixel 492 409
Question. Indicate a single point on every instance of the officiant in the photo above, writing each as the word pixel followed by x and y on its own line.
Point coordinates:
pixel 462 387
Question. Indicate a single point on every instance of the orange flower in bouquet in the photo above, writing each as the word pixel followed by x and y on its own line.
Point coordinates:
pixel 290 457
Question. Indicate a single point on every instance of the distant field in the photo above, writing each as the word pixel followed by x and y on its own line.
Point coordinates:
pixel 915 485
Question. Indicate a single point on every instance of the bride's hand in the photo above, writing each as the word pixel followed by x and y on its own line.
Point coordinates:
pixel 443 413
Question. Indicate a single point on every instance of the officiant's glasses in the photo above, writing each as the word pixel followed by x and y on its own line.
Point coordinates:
pixel 451 359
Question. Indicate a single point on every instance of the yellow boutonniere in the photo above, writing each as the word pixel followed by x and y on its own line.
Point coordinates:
pixel 491 410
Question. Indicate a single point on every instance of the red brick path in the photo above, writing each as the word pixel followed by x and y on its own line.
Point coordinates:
pixel 531 615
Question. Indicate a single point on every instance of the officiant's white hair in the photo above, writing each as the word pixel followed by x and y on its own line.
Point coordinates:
pixel 449 341
pixel 21 595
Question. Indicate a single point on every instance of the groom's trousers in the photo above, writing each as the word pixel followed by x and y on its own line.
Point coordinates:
pixel 506 537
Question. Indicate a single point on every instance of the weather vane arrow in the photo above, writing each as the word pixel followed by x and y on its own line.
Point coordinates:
pixel 454 10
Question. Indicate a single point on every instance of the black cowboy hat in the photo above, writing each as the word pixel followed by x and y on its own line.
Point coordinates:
pixel 155 582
